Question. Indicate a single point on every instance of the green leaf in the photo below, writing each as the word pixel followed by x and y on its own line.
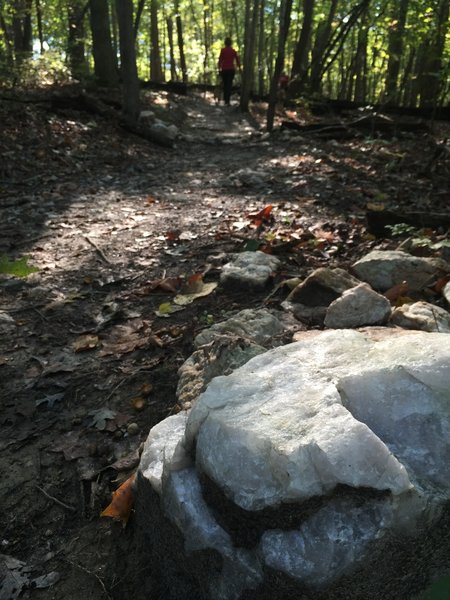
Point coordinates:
pixel 18 268
pixel 439 589
pixel 252 245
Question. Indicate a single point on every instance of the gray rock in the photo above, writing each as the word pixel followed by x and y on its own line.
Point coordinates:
pixel 383 269
pixel 322 286
pixel 423 316
pixel 229 345
pixel 356 307
pixel 257 325
pixel 249 270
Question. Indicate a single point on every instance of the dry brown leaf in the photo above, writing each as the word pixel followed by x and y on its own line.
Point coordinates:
pixel 395 292
pixel 121 503
pixel 127 337
pixel 85 342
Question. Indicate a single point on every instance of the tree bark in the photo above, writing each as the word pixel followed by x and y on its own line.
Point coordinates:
pixel 300 64
pixel 181 49
pixel 75 40
pixel 285 17
pixel 323 33
pixel 251 18
pixel 39 23
pixel 173 70
pixel 128 69
pixel 155 54
pixel 105 63
pixel 395 51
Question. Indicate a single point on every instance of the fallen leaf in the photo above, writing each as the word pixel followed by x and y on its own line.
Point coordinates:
pixel 100 416
pixel 146 389
pixel 194 284
pixel 395 292
pixel 173 235
pixel 262 216
pixel 121 503
pixel 441 283
pixel 85 342
pixel 127 337
pixel 375 206
pixel 166 309
pixel 184 299
pixel 50 399
pixel 19 267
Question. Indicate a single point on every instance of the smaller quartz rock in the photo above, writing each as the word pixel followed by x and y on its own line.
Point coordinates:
pixel 383 269
pixel 446 292
pixel 322 286
pixel 357 307
pixel 423 316
pixel 249 270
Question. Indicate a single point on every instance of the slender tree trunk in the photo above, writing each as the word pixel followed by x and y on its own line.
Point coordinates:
pixel 251 19
pixel 105 62
pixel 285 16
pixel 361 61
pixel 323 34
pixel 300 64
pixel 395 50
pixel 261 49
pixel 173 70
pixel 75 41
pixel 181 48
pixel 155 54
pixel 22 31
pixel 431 78
pixel 137 21
pixel 128 69
pixel 8 41
pixel 39 24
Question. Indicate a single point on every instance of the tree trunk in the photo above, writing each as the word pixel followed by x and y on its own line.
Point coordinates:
pixel 361 61
pixel 285 17
pixel 432 76
pixel 173 71
pixel 105 63
pixel 395 51
pixel 22 31
pixel 155 55
pixel 300 64
pixel 75 40
pixel 39 23
pixel 261 49
pixel 323 33
pixel 128 69
pixel 8 42
pixel 251 19
pixel 137 20
pixel 181 49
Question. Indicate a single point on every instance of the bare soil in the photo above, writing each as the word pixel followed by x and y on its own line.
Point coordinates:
pixel 114 223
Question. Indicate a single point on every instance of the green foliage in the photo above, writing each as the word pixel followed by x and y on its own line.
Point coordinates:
pixel 419 239
pixel 18 268
pixel 439 589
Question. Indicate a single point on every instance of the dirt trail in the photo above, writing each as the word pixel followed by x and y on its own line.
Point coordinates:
pixel 105 216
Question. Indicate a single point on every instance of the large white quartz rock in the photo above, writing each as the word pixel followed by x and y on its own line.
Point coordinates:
pixel 335 409
pixel 383 269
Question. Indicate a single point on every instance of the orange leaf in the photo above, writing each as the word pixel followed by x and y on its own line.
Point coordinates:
pixel 194 284
pixel 441 283
pixel 121 503
pixel 173 236
pixel 263 215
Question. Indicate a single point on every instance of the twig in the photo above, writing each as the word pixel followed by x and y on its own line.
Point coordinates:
pixel 71 508
pixel 101 253
pixel 93 574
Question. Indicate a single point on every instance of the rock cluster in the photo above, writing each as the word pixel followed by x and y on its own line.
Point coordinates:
pixel 296 469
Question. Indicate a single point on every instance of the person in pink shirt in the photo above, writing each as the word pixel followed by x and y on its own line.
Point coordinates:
pixel 228 61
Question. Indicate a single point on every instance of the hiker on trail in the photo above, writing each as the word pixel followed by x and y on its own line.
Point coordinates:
pixel 228 61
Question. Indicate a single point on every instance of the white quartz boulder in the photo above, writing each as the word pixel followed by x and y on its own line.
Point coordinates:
pixel 295 422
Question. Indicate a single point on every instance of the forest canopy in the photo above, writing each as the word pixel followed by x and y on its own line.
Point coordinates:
pixel 390 51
